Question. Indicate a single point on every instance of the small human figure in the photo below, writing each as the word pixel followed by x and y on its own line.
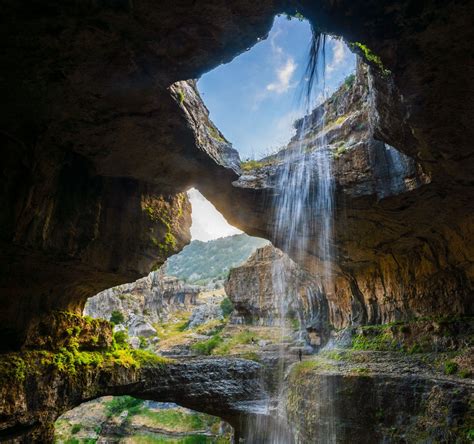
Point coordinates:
pixel 300 354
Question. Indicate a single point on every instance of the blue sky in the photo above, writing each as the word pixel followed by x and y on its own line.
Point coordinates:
pixel 255 99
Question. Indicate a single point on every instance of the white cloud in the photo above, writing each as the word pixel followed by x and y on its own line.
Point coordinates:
pixel 207 222
pixel 284 74
pixel 339 54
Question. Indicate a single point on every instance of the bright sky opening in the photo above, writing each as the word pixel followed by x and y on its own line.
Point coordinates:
pixel 255 99
pixel 207 222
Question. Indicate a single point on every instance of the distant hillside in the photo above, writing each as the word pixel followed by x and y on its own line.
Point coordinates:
pixel 203 263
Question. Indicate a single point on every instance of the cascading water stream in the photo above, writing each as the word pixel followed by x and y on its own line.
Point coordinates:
pixel 303 206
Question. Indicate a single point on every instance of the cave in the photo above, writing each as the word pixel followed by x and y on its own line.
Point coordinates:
pixel 104 131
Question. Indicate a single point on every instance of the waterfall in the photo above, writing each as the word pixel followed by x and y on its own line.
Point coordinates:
pixel 303 206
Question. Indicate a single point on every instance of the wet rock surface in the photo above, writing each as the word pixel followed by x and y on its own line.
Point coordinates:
pixel 407 382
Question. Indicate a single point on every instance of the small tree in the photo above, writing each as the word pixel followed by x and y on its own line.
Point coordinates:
pixel 227 307
pixel 117 317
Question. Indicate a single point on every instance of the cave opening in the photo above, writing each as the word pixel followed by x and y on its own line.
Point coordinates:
pixel 384 313
pixel 132 420
pixel 256 98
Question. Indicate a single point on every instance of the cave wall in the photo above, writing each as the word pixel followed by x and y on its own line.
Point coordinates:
pixel 91 129
pixel 96 147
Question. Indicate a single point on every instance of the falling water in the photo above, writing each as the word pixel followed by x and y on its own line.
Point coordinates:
pixel 303 206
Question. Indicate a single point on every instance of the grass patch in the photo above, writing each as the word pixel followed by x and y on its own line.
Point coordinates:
pixel 177 420
pixel 208 346
pixel 304 368
pixel 214 133
pixel 250 165
pixel 120 404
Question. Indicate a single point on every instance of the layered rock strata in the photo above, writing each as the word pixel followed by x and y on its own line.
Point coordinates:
pixel 142 303
pixel 271 289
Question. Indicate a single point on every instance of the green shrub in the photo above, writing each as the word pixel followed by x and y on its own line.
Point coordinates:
pixel 227 307
pixel 349 81
pixel 76 428
pixel 464 373
pixel 206 347
pixel 143 342
pixel 450 368
pixel 117 317
pixel 121 337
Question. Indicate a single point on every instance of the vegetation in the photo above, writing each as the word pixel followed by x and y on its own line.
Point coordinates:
pixel 202 263
pixel 349 81
pixel 370 57
pixel 76 428
pixel 179 420
pixel 450 367
pixel 207 347
pixel 250 165
pixel 120 404
pixel 302 369
pixel 181 96
pixel 117 317
pixel 227 307
pixel 214 133
pixel 340 150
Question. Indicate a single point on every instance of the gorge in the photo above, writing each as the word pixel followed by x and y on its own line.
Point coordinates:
pixel 103 133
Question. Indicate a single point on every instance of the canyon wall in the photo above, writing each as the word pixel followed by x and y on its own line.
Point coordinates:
pixel 271 289
pixel 400 245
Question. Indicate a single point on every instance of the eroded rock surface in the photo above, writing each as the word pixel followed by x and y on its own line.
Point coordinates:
pixel 271 289
pixel 47 379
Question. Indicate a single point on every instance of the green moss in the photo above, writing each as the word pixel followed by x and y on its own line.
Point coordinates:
pixel 215 134
pixel 370 57
pixel 12 368
pixel 181 96
pixel 378 342
pixel 361 371
pixel 339 151
pixel 302 369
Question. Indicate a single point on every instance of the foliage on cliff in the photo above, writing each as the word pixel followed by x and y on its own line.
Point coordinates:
pixel 203 262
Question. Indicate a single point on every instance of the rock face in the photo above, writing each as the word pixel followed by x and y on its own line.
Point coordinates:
pixel 98 148
pixel 143 302
pixel 388 262
pixel 376 408
pixel 94 135
pixel 271 289
pixel 78 363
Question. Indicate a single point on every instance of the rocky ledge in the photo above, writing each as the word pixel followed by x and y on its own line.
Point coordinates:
pixel 40 383
pixel 407 382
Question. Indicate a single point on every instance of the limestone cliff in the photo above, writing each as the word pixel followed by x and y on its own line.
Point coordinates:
pixel 271 289
pixel 388 262
pixel 142 303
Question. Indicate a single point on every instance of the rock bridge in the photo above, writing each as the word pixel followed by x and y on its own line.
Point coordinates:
pixel 216 386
